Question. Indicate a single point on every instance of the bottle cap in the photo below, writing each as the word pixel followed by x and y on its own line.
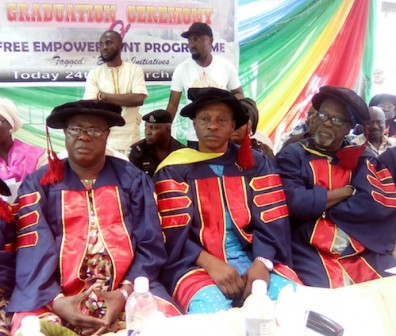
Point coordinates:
pixel 141 284
pixel 31 323
pixel 259 287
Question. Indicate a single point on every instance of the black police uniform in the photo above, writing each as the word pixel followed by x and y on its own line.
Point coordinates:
pixel 142 154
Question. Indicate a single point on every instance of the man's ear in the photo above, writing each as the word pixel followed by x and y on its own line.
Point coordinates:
pixel 107 136
pixel 108 132
pixel 233 125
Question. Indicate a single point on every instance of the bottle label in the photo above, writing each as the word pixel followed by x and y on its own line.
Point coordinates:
pixel 259 327
pixel 135 327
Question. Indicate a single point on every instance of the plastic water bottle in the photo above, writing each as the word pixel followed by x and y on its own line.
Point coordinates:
pixel 30 326
pixel 140 306
pixel 259 311
pixel 291 312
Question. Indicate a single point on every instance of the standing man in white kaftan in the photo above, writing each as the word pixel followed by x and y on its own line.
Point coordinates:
pixel 120 83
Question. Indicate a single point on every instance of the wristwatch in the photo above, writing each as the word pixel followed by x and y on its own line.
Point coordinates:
pixel 267 263
pixel 353 189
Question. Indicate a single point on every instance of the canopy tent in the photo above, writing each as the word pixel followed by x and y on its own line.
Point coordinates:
pixel 286 53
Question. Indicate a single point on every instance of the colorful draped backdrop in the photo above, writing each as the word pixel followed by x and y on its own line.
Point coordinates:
pixel 286 54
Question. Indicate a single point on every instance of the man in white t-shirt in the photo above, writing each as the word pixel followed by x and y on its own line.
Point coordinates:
pixel 202 70
pixel 120 83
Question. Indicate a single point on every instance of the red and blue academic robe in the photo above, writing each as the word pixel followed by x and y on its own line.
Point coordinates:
pixel 7 263
pixel 7 257
pixel 191 200
pixel 53 226
pixel 388 159
pixel 368 217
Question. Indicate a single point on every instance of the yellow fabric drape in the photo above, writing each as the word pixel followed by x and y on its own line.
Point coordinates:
pixel 275 106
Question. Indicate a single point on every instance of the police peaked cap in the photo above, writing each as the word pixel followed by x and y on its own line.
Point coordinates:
pixel 201 97
pixel 108 111
pixel 158 117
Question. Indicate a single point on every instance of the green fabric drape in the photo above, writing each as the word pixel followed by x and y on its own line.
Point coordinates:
pixel 267 61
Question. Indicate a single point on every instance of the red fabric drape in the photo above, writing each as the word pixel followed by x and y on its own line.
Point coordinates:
pixel 341 64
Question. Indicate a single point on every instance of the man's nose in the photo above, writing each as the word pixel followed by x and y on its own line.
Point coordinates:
pixel 327 123
pixel 84 135
pixel 213 124
pixel 192 43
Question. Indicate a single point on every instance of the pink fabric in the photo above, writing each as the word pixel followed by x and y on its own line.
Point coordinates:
pixel 22 160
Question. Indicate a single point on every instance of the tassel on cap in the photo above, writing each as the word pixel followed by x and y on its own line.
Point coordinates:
pixel 245 156
pixel 54 174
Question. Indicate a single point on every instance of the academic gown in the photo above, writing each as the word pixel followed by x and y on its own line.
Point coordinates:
pixel 53 232
pixel 191 202
pixel 367 218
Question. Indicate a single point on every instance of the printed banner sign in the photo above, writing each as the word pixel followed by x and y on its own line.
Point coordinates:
pixel 54 41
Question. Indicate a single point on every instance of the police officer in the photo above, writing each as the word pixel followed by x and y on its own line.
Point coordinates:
pixel 148 153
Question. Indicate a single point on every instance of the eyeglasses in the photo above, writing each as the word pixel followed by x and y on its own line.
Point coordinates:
pixel 3 121
pixel 92 132
pixel 206 121
pixel 335 121
pixel 195 39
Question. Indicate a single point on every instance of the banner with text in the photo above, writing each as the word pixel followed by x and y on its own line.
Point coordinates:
pixel 55 41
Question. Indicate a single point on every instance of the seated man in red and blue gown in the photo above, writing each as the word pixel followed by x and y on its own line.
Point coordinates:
pixel 342 203
pixel 223 209
pixel 87 226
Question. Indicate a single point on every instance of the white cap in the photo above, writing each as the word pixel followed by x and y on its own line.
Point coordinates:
pixel 30 323
pixel 9 112
pixel 141 284
pixel 265 139
pixel 259 287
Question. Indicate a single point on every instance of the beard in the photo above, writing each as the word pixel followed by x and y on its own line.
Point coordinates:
pixel 110 57
pixel 323 139
pixel 196 56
